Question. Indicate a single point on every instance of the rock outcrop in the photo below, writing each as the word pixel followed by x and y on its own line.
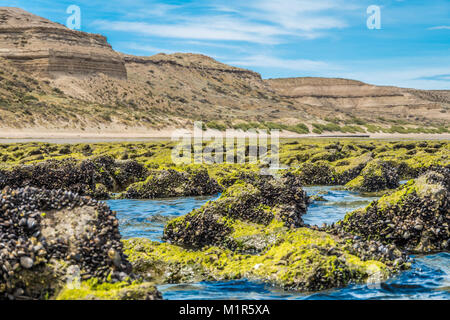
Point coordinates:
pixel 259 200
pixel 39 46
pixel 350 168
pixel 415 217
pixel 317 173
pixel 93 177
pixel 377 175
pixel 172 183
pixel 50 238
pixel 325 95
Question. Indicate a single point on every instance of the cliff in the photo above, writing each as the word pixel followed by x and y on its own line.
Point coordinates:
pixel 327 95
pixel 42 47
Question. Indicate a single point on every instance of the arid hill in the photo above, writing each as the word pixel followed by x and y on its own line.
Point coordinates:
pixel 53 78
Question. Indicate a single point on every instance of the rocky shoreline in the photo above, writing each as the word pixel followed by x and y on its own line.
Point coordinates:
pixel 52 230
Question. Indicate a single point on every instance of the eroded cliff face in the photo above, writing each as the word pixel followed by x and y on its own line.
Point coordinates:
pixel 49 49
pixel 326 95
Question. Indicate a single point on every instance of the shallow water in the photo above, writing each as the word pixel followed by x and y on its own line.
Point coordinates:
pixel 429 277
pixel 338 203
pixel 147 218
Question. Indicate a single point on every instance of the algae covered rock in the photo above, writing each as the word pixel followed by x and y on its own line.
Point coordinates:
pixel 227 179
pixel 301 259
pixel 317 198
pixel 257 201
pixel 93 177
pixel 173 183
pixel 350 168
pixel 47 236
pixel 94 289
pixel 376 176
pixel 415 217
pixel 317 173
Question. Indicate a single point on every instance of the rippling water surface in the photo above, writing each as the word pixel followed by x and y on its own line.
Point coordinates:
pixel 338 203
pixel 147 218
pixel 429 277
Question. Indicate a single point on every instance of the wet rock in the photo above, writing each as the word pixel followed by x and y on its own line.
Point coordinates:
pixel 257 199
pixel 43 233
pixel 350 168
pixel 415 217
pixel 173 183
pixel 301 259
pixel 317 198
pixel 377 175
pixel 246 233
pixel 97 177
pixel 317 173
pixel 26 262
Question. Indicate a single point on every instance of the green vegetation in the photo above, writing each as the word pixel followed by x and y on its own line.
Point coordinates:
pixel 341 159
pixel 294 262
pixel 333 127
pixel 216 125
pixel 299 128
pixel 93 289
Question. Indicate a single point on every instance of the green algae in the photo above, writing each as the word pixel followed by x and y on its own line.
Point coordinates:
pixel 221 241
pixel 245 229
pixel 342 155
pixel 352 163
pixel 93 289
pixel 355 183
pixel 247 237
pixel 315 161
pixel 419 186
pixel 413 217
pixel 377 175
pixel 301 259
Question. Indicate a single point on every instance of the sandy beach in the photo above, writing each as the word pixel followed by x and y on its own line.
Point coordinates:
pixel 141 134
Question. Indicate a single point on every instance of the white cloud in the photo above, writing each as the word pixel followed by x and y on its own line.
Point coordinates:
pixel 277 63
pixel 440 28
pixel 155 10
pixel 264 22
pixel 298 14
pixel 125 46
pixel 231 31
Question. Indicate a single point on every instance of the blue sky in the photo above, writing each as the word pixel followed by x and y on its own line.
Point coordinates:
pixel 280 38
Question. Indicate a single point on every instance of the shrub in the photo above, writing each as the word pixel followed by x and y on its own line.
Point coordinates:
pixel 216 126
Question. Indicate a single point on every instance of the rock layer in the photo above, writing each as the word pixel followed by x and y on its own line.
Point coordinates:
pixel 325 95
pixel 49 49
